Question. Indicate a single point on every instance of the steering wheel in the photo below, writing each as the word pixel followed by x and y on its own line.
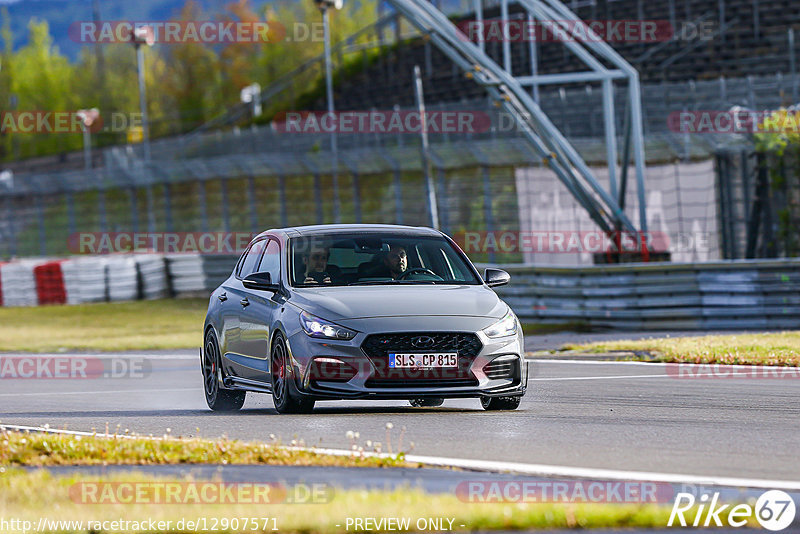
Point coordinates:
pixel 419 270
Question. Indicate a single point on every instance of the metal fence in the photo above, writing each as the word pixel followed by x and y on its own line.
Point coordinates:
pixel 255 178
pixel 759 204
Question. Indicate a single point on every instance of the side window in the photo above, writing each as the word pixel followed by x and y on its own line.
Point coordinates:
pixel 250 261
pixel 271 262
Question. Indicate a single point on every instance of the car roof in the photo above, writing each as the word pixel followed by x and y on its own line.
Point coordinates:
pixel 318 229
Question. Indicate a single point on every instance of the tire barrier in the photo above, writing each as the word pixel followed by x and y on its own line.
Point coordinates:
pixel 109 278
pixel 192 273
pixel 186 273
pixel 19 283
pixel 50 288
pixel 85 279
pixel 738 294
pixel 153 276
pixel 122 278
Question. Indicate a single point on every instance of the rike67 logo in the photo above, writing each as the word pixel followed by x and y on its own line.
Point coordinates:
pixel 774 510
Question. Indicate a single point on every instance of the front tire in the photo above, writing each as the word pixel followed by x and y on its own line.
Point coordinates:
pixel 281 393
pixel 500 403
pixel 218 399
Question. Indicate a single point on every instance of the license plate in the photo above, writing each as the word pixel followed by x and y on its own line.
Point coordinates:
pixel 436 359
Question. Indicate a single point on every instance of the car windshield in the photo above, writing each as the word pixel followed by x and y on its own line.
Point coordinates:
pixel 376 259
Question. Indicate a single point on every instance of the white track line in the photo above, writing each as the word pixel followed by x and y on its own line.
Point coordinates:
pixel 571 378
pixel 50 393
pixel 102 356
pixel 514 467
pixel 657 364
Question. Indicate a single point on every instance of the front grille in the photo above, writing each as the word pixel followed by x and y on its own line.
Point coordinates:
pixel 378 346
pixel 502 369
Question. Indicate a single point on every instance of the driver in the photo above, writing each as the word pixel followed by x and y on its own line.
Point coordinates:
pixel 316 264
pixel 396 261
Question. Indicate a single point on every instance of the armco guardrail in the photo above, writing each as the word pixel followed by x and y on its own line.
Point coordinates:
pixel 742 294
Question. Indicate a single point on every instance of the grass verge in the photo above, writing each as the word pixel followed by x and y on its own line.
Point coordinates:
pixel 33 495
pixel 113 326
pixel 50 449
pixel 780 348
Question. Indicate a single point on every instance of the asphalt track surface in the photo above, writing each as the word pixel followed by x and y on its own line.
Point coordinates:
pixel 607 415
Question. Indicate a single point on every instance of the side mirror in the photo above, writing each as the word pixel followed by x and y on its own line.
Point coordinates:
pixel 260 282
pixel 496 277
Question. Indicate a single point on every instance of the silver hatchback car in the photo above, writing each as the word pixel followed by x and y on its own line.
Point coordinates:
pixel 360 312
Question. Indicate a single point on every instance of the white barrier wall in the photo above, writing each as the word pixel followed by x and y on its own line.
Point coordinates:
pixel 681 205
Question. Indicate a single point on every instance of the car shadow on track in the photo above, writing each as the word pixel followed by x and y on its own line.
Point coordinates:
pixel 366 410
pixel 326 410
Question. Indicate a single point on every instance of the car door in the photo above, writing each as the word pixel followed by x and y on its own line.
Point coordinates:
pixel 259 314
pixel 235 309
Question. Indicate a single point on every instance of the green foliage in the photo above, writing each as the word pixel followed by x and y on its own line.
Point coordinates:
pixel 187 83
pixel 778 139
pixel 777 131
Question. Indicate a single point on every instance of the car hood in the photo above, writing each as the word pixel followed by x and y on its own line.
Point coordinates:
pixel 360 302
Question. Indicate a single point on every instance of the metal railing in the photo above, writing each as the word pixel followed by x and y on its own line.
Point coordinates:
pixel 741 294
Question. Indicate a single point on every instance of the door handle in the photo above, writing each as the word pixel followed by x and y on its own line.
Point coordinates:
pixel 222 297
pixel 244 302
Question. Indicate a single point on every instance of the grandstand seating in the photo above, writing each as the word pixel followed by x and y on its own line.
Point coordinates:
pixel 734 50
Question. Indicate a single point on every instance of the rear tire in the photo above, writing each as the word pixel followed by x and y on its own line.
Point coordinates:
pixel 218 399
pixel 426 402
pixel 500 403
pixel 281 393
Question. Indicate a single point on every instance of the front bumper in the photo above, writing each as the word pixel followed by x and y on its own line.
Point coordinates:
pixel 366 382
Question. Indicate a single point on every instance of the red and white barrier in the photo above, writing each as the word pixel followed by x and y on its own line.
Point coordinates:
pixel 113 277
pixel 50 283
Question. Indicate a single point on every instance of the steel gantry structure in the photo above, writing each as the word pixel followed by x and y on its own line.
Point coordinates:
pixel 604 206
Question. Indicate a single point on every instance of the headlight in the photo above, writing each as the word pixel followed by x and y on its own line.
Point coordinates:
pixel 507 326
pixel 320 328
